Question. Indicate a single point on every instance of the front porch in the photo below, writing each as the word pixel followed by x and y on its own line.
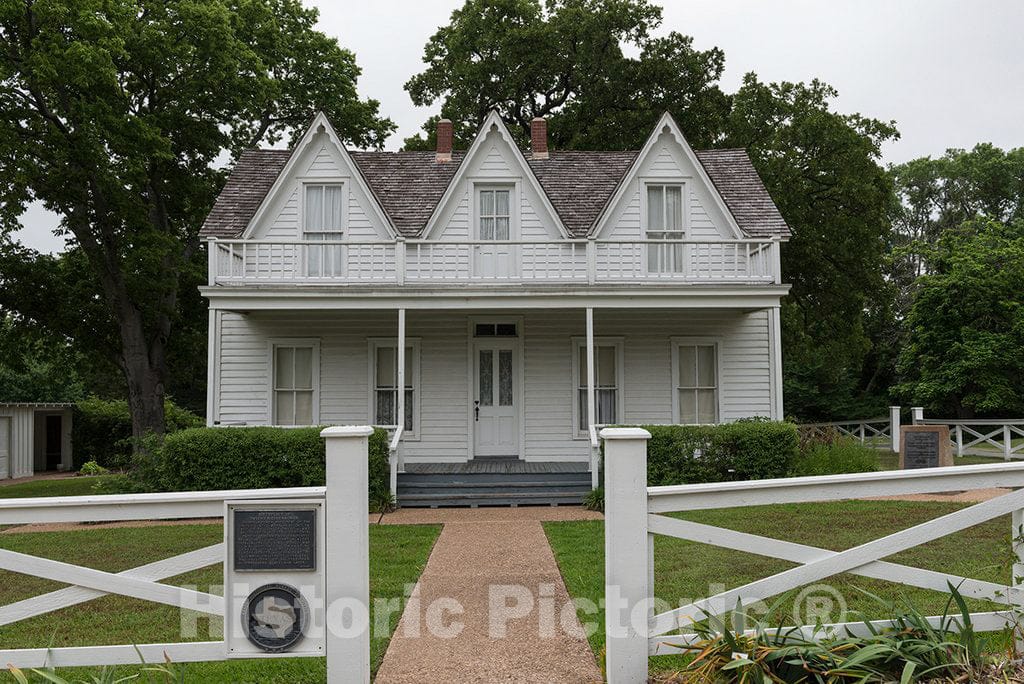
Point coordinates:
pixel 497 405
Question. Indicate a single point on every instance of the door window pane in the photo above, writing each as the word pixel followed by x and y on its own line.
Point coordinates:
pixel 486 377
pixel 504 377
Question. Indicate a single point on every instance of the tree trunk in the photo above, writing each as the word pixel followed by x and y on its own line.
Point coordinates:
pixel 144 367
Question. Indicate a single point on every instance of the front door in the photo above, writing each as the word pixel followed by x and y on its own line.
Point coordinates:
pixel 53 441
pixel 495 406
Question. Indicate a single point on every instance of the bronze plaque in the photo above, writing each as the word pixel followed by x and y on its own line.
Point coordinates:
pixel 272 539
pixel 924 446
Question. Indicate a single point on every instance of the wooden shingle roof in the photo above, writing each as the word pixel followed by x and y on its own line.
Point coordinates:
pixel 578 184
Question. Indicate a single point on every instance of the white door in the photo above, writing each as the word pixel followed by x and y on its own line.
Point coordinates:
pixel 5 447
pixel 495 406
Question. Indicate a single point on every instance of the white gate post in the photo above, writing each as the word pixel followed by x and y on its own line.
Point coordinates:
pixel 347 572
pixel 627 583
pixel 917 414
pixel 1007 443
pixel 1017 571
pixel 894 428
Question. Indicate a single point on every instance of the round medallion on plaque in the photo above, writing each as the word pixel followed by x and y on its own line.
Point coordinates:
pixel 275 617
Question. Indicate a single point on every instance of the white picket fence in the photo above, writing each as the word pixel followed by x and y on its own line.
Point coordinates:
pixel 995 438
pixel 634 513
pixel 346 563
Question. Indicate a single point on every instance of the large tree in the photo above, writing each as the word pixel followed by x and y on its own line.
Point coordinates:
pixel 823 170
pixel 964 352
pixel 567 59
pixel 112 114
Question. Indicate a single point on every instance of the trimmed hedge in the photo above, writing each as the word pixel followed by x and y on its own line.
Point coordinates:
pixel 102 430
pixel 253 458
pixel 744 450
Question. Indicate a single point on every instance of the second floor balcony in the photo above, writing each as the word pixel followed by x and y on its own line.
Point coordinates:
pixel 444 262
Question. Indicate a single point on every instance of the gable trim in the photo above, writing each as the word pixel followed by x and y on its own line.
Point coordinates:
pixel 461 176
pixel 356 177
pixel 632 176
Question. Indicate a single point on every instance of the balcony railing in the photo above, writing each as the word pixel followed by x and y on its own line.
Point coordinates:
pixel 436 262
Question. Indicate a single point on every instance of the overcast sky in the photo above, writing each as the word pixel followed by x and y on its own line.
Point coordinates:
pixel 949 72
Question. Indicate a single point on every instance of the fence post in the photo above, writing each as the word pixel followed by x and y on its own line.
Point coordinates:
pixel 626 554
pixel 959 439
pixel 894 428
pixel 1017 572
pixel 1007 444
pixel 917 414
pixel 347 571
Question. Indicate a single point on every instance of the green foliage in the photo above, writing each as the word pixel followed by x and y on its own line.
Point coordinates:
pixel 200 459
pixel 567 59
pixel 101 430
pixel 744 450
pixel 594 500
pixel 90 468
pixel 35 366
pixel 964 353
pixel 113 114
pixel 832 458
pixel 911 650
pixel 822 169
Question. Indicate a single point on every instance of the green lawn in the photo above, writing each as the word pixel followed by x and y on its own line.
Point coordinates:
pixel 398 554
pixel 686 570
pixel 64 486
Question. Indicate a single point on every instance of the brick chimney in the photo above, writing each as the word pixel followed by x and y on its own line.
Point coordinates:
pixel 539 137
pixel 444 140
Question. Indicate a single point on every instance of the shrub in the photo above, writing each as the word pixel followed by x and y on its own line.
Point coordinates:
pixel 744 450
pixel 841 456
pixel 594 500
pixel 102 430
pixel 92 468
pixel 252 458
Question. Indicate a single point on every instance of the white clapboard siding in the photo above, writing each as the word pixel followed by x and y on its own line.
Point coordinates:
pixel 444 343
pixel 5 446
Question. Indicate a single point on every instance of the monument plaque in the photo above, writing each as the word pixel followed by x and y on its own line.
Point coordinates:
pixel 274 539
pixel 924 446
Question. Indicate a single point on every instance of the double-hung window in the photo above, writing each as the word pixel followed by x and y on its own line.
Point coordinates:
pixel 385 384
pixel 665 221
pixel 696 381
pixel 323 221
pixel 495 213
pixel 607 383
pixel 295 377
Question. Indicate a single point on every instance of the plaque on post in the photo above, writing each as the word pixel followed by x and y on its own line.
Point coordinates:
pixel 924 446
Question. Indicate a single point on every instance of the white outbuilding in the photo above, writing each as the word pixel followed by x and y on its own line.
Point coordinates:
pixel 34 438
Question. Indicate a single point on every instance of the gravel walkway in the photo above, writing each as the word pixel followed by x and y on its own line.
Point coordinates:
pixel 468 568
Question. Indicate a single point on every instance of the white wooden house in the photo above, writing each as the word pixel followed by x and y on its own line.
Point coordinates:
pixel 520 298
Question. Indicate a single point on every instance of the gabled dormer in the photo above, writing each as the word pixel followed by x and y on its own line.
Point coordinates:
pixel 494 195
pixel 667 195
pixel 320 195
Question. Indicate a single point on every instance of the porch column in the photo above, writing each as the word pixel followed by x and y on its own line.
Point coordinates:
pixel 775 323
pixel 401 369
pixel 591 405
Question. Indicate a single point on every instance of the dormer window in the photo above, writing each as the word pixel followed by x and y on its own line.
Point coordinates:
pixel 665 221
pixel 495 213
pixel 323 221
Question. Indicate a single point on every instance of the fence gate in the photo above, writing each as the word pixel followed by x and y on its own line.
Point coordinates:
pixel 292 552
pixel 635 512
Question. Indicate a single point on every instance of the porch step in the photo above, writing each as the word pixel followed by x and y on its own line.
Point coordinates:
pixel 520 484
